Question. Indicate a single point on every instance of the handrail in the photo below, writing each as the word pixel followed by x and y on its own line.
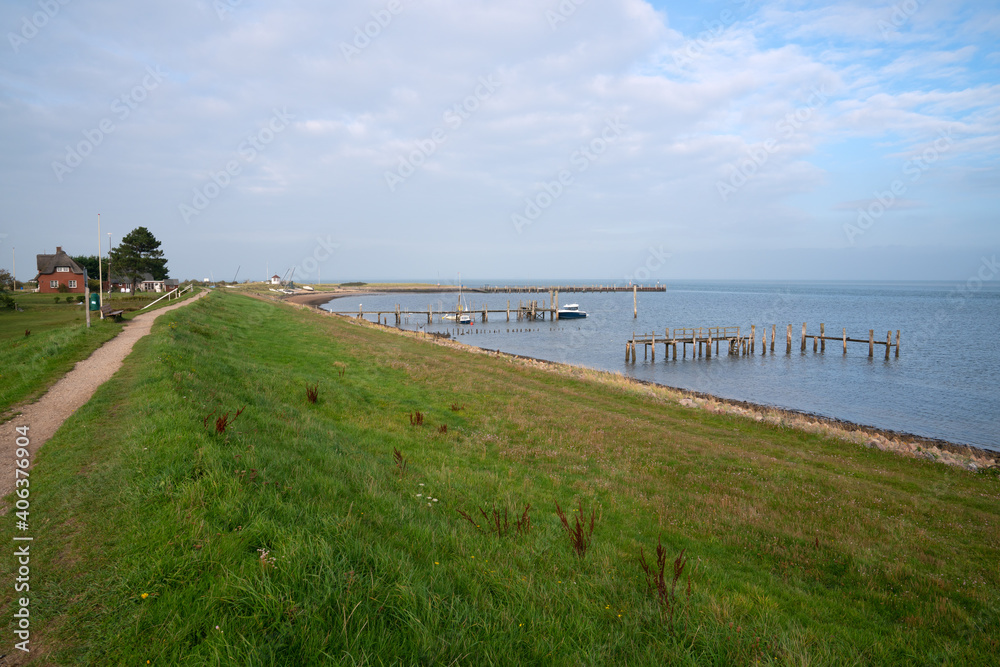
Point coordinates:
pixel 160 299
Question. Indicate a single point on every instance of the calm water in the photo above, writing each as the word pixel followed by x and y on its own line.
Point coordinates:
pixel 945 384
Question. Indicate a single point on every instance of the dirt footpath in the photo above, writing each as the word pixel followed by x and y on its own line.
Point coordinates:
pixel 46 415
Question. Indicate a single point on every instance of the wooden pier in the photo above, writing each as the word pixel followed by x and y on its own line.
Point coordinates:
pixel 737 342
pixel 536 289
pixel 525 310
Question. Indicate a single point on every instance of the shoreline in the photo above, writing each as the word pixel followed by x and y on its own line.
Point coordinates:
pixel 970 457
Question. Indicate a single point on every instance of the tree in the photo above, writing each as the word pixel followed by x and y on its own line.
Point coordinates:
pixel 89 262
pixel 139 253
pixel 6 300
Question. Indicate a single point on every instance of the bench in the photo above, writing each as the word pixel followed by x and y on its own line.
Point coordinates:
pixel 112 312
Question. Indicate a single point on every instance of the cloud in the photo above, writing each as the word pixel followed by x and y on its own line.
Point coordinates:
pixel 698 104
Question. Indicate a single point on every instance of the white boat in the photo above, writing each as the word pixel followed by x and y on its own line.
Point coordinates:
pixel 460 316
pixel 571 311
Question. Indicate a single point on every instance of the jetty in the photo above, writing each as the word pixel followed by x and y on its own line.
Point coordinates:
pixel 538 289
pixel 524 310
pixel 738 342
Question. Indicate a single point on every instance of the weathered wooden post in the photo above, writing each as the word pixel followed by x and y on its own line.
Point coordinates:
pixel 845 340
pixel 803 336
pixel 753 338
pixel 708 349
pixel 508 310
pixel 774 333
pixel 815 344
pixel 897 342
pixel 871 343
pixel 635 302
pixel 359 311
pixel 788 340
pixel 822 337
pixel 429 317
pixel 763 343
pixel 888 344
pixel 555 306
pixel 653 346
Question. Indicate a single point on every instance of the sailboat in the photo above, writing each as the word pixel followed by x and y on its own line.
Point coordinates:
pixel 460 315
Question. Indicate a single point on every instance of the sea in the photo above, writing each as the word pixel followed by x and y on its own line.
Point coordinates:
pixel 945 384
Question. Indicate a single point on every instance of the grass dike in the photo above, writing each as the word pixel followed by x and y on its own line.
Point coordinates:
pixel 435 506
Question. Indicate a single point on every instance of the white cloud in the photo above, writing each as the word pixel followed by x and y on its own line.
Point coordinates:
pixel 696 107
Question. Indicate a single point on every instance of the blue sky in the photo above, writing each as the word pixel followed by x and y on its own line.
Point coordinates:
pixel 613 140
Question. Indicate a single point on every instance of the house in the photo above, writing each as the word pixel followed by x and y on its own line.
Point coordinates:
pixel 116 284
pixel 57 270
pixel 146 284
pixel 275 280
pixel 149 284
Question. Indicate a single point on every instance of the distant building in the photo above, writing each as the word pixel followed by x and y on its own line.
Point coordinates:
pixel 275 280
pixel 59 269
pixel 146 284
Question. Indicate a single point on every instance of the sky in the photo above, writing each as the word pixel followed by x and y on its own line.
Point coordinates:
pixel 514 140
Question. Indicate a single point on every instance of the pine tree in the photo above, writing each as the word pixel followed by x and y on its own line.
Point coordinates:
pixel 139 253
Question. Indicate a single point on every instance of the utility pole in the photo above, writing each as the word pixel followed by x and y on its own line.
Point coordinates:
pixel 109 266
pixel 100 277
pixel 86 296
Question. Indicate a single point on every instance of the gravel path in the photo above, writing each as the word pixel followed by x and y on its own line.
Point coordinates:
pixel 46 415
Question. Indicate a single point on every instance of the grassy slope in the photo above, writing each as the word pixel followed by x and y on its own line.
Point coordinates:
pixel 58 340
pixel 802 550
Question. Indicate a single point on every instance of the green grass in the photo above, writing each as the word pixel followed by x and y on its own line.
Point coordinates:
pixel 58 339
pixel 802 550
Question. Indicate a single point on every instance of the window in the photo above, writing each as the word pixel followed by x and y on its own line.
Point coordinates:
pixel 62 269
pixel 72 284
pixel 54 284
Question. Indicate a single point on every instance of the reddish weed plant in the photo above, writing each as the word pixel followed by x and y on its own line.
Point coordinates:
pixel 222 422
pixel 397 456
pixel 582 531
pixel 498 521
pixel 665 595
